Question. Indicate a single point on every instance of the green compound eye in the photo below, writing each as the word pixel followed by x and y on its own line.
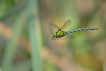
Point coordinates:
pixel 53 35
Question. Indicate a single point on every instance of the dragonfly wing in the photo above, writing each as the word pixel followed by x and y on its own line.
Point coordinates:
pixel 66 24
pixel 70 36
pixel 54 25
pixel 62 38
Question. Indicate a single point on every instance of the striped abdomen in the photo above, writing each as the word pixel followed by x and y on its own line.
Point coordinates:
pixel 81 29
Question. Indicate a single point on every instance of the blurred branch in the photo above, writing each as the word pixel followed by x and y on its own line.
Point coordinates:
pixel 32 11
pixel 11 46
pixel 22 66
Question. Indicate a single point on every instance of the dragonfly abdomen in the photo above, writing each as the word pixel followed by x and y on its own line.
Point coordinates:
pixel 81 29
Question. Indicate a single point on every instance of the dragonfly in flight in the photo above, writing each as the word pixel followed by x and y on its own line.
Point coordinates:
pixel 59 33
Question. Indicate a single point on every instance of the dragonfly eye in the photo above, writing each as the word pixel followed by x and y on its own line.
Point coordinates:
pixel 53 34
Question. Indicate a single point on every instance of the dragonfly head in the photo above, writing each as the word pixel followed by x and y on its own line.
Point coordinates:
pixel 53 34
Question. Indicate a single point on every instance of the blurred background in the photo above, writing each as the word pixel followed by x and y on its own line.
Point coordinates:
pixel 25 35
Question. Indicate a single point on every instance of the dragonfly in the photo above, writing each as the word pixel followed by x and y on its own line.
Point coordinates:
pixel 60 33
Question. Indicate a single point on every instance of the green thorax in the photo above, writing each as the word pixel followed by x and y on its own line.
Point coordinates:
pixel 60 33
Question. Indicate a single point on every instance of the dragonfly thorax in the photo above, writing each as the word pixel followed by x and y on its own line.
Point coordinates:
pixel 58 34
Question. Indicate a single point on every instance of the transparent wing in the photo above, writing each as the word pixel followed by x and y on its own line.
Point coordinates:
pixel 54 25
pixel 66 24
pixel 70 36
pixel 62 38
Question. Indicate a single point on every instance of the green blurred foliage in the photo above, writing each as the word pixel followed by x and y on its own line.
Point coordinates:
pixel 25 39
pixel 50 66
